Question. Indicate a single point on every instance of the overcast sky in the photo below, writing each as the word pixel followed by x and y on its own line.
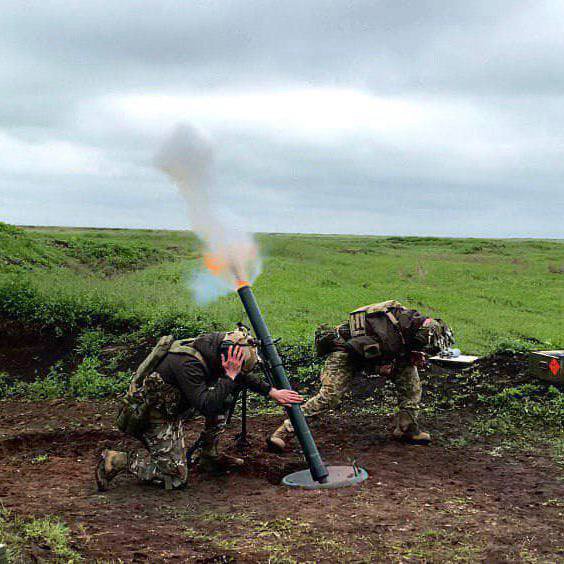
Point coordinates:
pixel 422 117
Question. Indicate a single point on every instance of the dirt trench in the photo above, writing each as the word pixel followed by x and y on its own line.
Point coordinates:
pixel 26 353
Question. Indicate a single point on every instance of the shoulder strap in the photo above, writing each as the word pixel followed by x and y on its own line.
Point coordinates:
pixel 392 318
pixel 396 325
pixel 185 347
pixel 151 360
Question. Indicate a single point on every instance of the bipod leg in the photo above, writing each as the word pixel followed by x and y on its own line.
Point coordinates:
pixel 198 444
pixel 241 439
pixel 232 408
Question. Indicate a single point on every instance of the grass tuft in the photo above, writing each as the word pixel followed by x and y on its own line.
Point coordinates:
pixel 49 533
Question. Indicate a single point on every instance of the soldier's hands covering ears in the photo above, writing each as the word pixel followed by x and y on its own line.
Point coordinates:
pixel 233 362
pixel 285 397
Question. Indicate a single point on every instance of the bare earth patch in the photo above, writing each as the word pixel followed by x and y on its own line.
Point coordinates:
pixel 420 504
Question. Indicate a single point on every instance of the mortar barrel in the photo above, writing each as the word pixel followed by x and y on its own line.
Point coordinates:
pixel 317 468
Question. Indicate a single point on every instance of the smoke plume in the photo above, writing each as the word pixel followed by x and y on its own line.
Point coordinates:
pixel 230 256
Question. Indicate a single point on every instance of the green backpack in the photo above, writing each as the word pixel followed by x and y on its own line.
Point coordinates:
pixel 134 413
pixel 327 337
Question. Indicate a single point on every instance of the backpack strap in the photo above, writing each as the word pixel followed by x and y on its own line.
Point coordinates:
pixel 165 345
pixel 148 365
pixel 184 346
pixel 357 323
pixel 396 325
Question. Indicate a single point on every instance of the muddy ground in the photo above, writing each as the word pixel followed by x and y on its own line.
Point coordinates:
pixel 436 503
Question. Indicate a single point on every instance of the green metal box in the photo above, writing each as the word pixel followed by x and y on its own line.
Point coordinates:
pixel 547 365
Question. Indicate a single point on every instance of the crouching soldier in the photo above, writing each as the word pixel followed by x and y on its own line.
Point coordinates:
pixel 180 379
pixel 384 337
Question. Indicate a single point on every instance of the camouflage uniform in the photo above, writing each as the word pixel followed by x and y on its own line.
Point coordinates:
pixel 336 377
pixel 164 460
pixel 408 387
pixel 188 380
pixel 381 334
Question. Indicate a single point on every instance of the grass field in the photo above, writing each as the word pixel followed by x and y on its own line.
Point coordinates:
pixel 79 309
pixel 491 291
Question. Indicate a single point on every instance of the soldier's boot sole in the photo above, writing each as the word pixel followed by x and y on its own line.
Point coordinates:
pixel 219 463
pixel 105 475
pixel 102 480
pixel 421 438
pixel 278 441
pixel 276 444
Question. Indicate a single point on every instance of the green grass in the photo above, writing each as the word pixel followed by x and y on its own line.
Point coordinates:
pixel 66 280
pixel 276 540
pixel 19 533
pixel 528 417
pixel 438 546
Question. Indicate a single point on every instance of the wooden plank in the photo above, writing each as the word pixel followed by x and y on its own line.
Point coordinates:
pixel 461 360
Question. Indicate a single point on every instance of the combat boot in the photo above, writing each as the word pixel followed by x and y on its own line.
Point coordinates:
pixel 112 463
pixel 210 459
pixel 278 440
pixel 407 431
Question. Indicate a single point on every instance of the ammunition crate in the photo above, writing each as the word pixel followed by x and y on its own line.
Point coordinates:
pixel 547 365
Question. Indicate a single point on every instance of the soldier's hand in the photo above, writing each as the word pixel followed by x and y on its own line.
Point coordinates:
pixel 233 362
pixel 419 359
pixel 285 397
pixel 386 370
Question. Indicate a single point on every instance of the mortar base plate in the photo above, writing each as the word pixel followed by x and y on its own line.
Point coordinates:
pixel 339 477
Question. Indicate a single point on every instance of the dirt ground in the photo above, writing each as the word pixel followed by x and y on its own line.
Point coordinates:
pixel 436 503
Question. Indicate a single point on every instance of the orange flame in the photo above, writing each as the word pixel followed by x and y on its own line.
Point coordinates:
pixel 221 267
pixel 216 265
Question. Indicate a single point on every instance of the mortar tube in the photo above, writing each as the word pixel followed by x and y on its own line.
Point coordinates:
pixel 317 468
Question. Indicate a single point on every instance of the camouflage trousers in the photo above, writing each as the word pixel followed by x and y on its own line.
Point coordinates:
pixel 336 377
pixel 164 458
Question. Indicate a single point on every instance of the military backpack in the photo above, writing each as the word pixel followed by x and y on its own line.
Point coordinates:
pixel 147 388
pixel 357 334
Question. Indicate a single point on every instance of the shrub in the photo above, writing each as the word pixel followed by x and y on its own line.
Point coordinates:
pixel 54 534
pixel 51 387
pixel 10 229
pixel 88 382
pixel 521 409
pixel 508 344
pixel 530 400
pixel 91 342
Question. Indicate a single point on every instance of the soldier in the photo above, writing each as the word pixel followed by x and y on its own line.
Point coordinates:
pixel 385 336
pixel 176 381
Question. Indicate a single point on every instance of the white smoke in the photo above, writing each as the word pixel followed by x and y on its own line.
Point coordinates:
pixel 230 255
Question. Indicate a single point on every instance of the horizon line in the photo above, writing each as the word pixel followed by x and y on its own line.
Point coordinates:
pixel 303 233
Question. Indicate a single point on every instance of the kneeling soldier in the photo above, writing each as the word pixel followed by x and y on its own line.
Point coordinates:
pixel 386 337
pixel 177 380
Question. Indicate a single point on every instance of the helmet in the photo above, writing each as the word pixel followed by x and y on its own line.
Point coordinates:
pixel 434 336
pixel 242 338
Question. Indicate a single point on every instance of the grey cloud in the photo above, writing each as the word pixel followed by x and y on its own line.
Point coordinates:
pixel 502 59
pixel 387 45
